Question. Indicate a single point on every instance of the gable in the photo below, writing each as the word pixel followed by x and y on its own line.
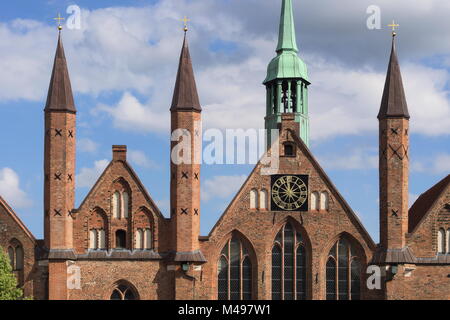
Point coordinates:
pixel 115 171
pixel 8 216
pixel 302 163
pixel 423 205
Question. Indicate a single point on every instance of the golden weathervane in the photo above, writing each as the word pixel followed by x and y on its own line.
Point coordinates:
pixel 393 25
pixel 59 19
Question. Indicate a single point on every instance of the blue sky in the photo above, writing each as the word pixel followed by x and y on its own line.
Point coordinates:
pixel 123 64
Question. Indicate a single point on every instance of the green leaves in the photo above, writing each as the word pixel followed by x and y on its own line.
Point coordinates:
pixel 8 281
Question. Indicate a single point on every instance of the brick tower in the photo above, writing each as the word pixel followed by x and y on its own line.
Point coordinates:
pixel 185 175
pixel 59 171
pixel 394 162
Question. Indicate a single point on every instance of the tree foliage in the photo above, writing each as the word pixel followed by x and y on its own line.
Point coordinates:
pixel 8 281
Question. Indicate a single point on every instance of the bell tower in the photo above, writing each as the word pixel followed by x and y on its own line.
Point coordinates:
pixel 59 174
pixel 287 79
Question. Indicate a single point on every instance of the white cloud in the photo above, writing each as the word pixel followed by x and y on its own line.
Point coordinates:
pixel 130 115
pixel 88 176
pixel 87 145
pixel 10 189
pixel 355 159
pixel 140 158
pixel 221 186
pixel 438 164
pixel 442 164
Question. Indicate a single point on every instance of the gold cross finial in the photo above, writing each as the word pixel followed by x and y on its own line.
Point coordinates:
pixel 58 19
pixel 393 25
pixel 185 21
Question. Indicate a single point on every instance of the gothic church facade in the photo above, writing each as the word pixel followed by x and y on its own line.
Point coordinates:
pixel 288 236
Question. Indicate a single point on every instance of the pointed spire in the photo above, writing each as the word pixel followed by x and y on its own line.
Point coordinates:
pixel 60 97
pixel 185 96
pixel 393 103
pixel 286 38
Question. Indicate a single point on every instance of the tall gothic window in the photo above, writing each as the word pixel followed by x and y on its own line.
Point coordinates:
pixel 116 204
pixel 234 272
pixel 343 272
pixel 288 265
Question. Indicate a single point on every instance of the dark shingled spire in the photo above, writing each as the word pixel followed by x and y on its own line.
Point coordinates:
pixel 393 103
pixel 185 95
pixel 60 97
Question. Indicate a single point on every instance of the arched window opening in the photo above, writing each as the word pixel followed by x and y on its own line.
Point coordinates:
pixel 343 272
pixel 324 200
pixel 148 241
pixel 448 240
pixel 11 257
pixel 263 196
pixel 115 202
pixel 441 241
pixel 289 150
pixel 93 238
pixel 288 265
pixel 123 292
pixel 315 201
pixel 253 199
pixel 19 258
pixel 125 205
pixel 101 239
pixel 234 272
pixel 139 239
pixel 121 239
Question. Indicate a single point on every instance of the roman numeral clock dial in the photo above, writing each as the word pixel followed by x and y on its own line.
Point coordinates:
pixel 289 193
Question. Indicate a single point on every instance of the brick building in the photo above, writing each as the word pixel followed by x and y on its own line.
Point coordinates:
pixel 287 235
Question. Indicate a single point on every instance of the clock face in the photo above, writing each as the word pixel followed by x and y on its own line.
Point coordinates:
pixel 289 193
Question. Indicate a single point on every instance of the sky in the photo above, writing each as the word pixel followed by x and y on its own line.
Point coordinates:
pixel 123 61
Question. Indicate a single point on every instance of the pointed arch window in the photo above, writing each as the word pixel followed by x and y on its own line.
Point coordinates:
pixel 448 240
pixel 315 201
pixel 253 199
pixel 115 202
pixel 234 274
pixel 11 256
pixel 123 292
pixel 16 255
pixel 263 196
pixel 288 265
pixel 324 200
pixel 93 239
pixel 343 272
pixel 125 205
pixel 441 241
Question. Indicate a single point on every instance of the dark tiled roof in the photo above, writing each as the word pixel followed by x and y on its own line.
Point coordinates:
pixel 60 254
pixel 193 256
pixel 185 96
pixel 405 255
pixel 120 255
pixel 60 97
pixel 424 203
pixel 393 103
pixel 393 256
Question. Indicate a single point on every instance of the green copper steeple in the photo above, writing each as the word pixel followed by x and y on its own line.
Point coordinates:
pixel 287 78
